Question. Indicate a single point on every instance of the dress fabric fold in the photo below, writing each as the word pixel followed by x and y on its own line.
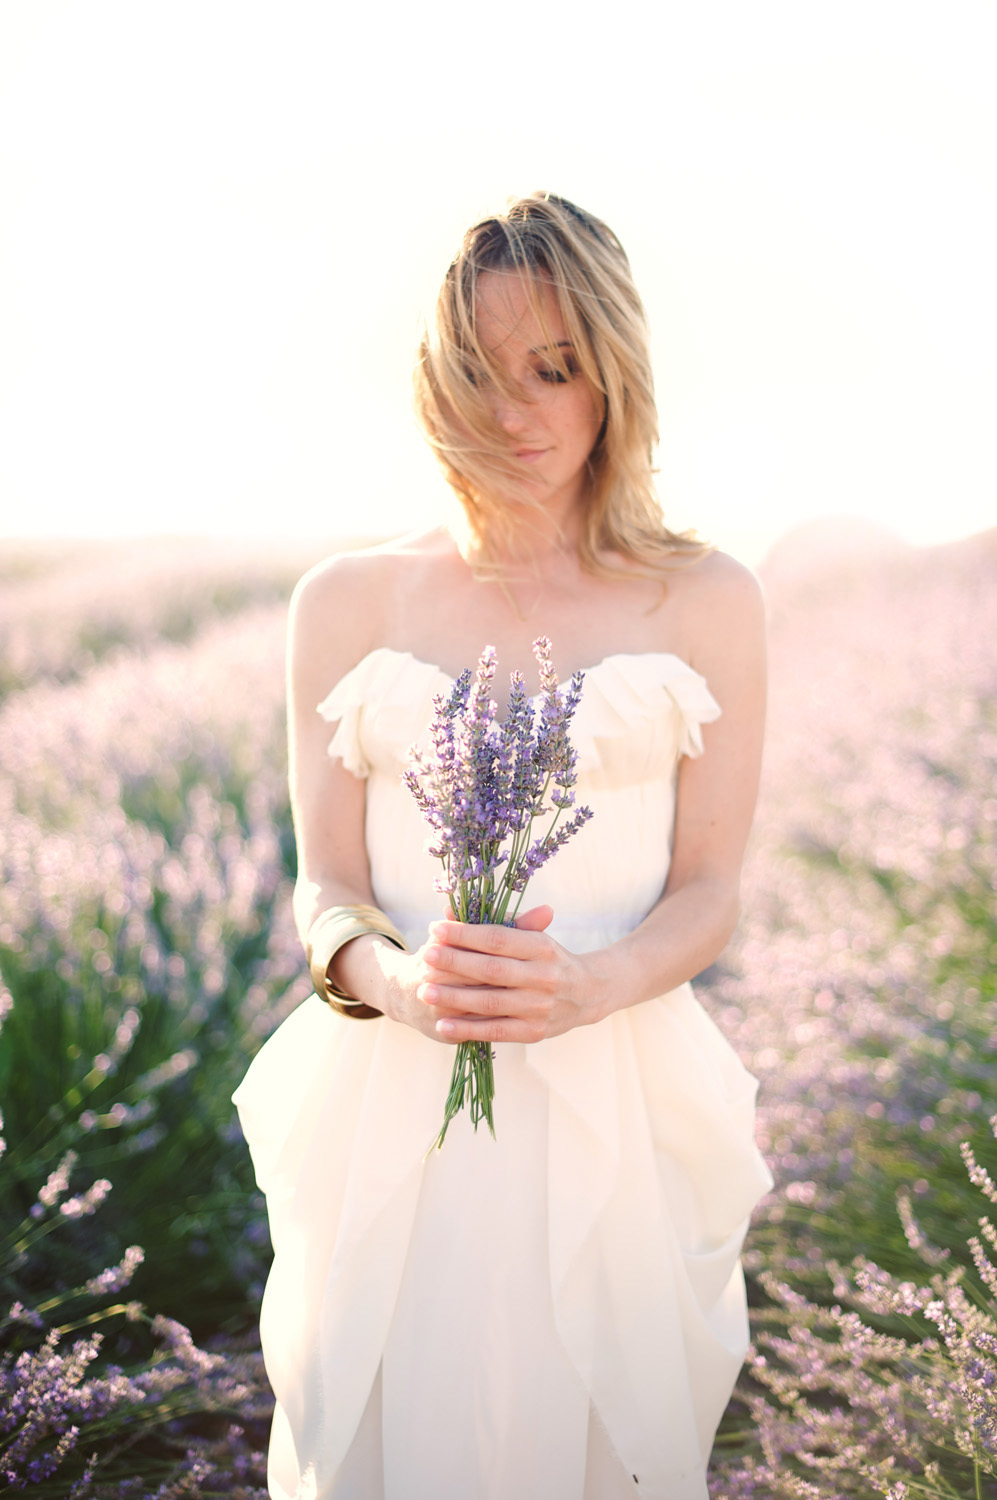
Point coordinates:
pixel 557 1314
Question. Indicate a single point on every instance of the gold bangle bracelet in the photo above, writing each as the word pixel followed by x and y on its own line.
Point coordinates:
pixel 332 930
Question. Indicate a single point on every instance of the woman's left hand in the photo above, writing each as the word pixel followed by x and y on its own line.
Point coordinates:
pixel 509 984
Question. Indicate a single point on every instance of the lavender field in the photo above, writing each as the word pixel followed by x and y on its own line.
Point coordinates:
pixel 147 949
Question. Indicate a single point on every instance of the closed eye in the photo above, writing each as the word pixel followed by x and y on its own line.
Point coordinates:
pixel 551 375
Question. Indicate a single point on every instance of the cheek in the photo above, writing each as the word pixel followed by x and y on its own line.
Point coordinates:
pixel 589 419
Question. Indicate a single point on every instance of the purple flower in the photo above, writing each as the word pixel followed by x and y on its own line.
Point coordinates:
pixel 480 789
pixel 58 1181
pixel 116 1278
pixel 86 1203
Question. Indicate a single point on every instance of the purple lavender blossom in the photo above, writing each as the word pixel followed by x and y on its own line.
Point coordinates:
pixel 83 1204
pixel 58 1181
pixel 480 789
pixel 29 1315
pixel 844 1408
pixel 116 1278
pixel 541 850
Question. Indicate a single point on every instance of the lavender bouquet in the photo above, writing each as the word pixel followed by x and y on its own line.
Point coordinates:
pixel 481 789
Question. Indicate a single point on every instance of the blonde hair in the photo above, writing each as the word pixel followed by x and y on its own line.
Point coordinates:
pixel 548 240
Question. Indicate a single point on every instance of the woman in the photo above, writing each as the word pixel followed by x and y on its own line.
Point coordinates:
pixel 557 1313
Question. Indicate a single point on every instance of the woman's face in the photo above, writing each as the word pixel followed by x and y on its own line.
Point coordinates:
pixel 553 423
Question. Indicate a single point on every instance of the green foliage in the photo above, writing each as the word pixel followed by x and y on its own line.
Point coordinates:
pixel 147 949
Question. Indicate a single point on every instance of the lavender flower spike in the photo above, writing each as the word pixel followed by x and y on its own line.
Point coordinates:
pixel 480 789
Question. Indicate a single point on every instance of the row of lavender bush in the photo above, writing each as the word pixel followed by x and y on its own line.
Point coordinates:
pixel 861 991
pixel 146 948
pixel 63 609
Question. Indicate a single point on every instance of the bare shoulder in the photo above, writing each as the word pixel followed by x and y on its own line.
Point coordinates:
pixel 722 609
pixel 343 599
pixel 719 581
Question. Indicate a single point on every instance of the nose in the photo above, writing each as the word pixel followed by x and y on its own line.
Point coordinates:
pixel 508 413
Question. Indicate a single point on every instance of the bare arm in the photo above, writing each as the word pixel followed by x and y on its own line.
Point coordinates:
pixel 529 987
pixel 327 802
pixel 333 624
pixel 716 801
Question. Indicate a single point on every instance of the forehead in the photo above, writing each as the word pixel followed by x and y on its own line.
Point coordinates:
pixel 514 310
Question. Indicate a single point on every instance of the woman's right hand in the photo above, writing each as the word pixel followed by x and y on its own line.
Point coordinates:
pixel 373 970
pixel 401 975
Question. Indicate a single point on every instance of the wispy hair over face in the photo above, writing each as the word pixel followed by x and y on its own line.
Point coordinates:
pixel 549 241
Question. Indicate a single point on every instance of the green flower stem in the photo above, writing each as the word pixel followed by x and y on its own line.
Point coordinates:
pixel 95 1317
pixel 472 1081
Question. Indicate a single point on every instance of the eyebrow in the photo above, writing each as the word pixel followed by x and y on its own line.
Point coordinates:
pixel 561 344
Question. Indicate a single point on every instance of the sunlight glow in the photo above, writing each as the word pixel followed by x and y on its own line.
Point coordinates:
pixel 222 221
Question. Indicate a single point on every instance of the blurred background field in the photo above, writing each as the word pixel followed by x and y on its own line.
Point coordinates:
pixel 147 950
pixel 207 322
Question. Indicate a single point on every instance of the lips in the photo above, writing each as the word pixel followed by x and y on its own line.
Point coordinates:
pixel 527 455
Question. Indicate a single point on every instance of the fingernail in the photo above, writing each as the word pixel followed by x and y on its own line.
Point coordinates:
pixel 431 955
pixel 445 1028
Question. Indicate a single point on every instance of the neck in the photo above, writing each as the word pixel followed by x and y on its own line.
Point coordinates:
pixel 537 540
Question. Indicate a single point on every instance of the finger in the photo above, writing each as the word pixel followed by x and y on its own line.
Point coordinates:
pixel 537 919
pixel 485 938
pixel 446 965
pixel 454 1000
pixel 458 999
pixel 473 978
pixel 499 1029
pixel 441 1000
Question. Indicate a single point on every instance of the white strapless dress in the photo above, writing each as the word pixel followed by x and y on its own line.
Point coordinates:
pixel 557 1314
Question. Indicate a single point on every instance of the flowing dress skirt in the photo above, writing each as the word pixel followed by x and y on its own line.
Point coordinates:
pixel 557 1314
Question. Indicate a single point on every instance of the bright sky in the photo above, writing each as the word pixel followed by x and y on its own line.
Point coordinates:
pixel 219 220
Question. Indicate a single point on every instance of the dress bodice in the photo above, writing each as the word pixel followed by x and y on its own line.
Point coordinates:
pixel 638 714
